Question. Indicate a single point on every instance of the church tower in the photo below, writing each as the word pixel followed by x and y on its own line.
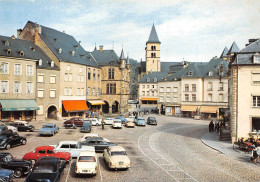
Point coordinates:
pixel 153 63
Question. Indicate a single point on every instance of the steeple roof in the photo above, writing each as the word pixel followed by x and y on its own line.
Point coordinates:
pixel 122 55
pixel 233 49
pixel 224 53
pixel 153 38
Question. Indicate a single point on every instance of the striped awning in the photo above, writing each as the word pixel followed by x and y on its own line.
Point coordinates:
pixel 18 105
pixel 96 102
pixel 75 105
pixel 209 109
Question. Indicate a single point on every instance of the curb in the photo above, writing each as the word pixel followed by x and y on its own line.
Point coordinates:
pixel 202 140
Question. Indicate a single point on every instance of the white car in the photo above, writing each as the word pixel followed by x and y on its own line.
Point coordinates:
pixel 86 163
pixel 109 120
pixel 95 121
pixel 84 137
pixel 73 147
pixel 14 129
pixel 117 123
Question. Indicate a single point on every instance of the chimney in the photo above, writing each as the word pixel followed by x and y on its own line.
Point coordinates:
pixel 100 48
pixel 19 31
pixel 36 37
pixel 250 41
pixel 39 28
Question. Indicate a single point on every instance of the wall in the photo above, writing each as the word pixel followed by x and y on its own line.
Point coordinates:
pixel 153 63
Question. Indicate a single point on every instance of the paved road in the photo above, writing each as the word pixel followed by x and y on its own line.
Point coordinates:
pixel 170 151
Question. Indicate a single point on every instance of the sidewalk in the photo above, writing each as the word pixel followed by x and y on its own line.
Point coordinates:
pixel 226 147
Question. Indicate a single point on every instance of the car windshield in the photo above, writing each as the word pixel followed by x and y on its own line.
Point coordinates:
pixel 141 120
pixel 43 167
pixel 47 126
pixel 152 119
pixel 117 121
pixel 118 153
pixel 87 159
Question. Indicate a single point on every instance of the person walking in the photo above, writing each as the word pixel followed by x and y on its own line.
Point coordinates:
pixel 103 124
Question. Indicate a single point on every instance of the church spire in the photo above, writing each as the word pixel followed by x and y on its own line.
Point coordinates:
pixel 122 57
pixel 153 38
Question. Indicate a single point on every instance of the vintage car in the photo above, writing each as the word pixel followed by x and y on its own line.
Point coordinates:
pixel 47 169
pixel 140 121
pixel 151 121
pixel 86 128
pixel 98 142
pixel 22 126
pixel 117 123
pixel 20 167
pixel 48 129
pixel 43 151
pixel 5 130
pixel 130 118
pixel 116 157
pixel 6 175
pixel 122 118
pixel 95 121
pixel 89 135
pixel 73 121
pixel 10 140
pixel 130 124
pixel 86 163
pixel 73 147
pixel 108 120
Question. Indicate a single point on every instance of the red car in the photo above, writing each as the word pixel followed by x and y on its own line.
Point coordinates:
pixel 43 151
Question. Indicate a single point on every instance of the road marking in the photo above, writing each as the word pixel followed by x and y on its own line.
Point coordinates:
pixel 100 172
pixel 68 171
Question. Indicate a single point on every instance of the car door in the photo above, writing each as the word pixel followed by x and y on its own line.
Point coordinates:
pixel 74 150
pixel 64 148
pixel 51 153
pixel 15 139
pixel 40 153
pixel 100 145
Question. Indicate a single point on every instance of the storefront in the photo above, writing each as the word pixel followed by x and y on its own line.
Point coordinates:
pixel 208 112
pixel 95 107
pixel 188 110
pixel 18 109
pixel 173 110
pixel 149 100
pixel 72 108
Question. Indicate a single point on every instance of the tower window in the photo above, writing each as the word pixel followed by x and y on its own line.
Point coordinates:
pixel 9 51
pixel 21 53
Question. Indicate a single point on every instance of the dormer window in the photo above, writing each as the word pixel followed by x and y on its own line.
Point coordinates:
pixel 55 39
pixel 60 50
pixel 21 53
pixel 52 64
pixel 6 43
pixel 190 73
pixel 73 53
pixel 40 62
pixel 155 80
pixel 33 48
pixel 76 46
pixel 257 58
pixel 148 79
pixel 210 73
pixel 9 51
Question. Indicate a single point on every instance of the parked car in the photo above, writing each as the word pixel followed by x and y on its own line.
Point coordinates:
pixel 5 130
pixel 116 157
pixel 122 118
pixel 43 151
pixel 95 121
pixel 10 140
pixel 130 124
pixel 117 123
pixel 151 121
pixel 98 142
pixel 89 135
pixel 70 123
pixel 22 126
pixel 140 121
pixel 20 167
pixel 130 118
pixel 48 129
pixel 47 169
pixel 86 128
pixel 108 120
pixel 86 163
pixel 73 147
pixel 12 128
pixel 6 175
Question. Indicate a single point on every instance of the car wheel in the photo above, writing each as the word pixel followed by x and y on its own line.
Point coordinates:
pixel 18 173
pixel 8 146
pixel 23 142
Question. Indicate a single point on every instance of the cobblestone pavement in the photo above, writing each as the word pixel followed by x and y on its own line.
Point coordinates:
pixel 170 151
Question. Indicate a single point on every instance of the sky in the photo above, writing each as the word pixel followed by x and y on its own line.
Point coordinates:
pixel 191 30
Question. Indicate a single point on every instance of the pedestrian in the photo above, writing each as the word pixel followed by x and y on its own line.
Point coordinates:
pixel 254 155
pixel 103 124
pixel 136 106
pixel 211 126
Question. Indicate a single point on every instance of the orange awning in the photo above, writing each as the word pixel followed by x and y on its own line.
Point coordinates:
pixel 75 105
pixel 189 108
pixel 152 99
pixel 96 102
pixel 209 109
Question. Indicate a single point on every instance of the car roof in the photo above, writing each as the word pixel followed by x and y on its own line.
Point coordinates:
pixel 68 142
pixel 116 148
pixel 117 120
pixel 87 153
pixel 90 135
pixel 48 124
pixel 24 122
pixel 44 147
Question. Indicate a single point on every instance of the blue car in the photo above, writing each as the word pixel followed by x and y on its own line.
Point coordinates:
pixel 6 175
pixel 140 121
pixel 122 118
pixel 48 129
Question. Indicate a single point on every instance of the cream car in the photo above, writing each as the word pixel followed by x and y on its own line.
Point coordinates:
pixel 116 157
pixel 86 163
pixel 117 123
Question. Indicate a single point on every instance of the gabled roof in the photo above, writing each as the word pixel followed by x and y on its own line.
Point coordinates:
pixel 253 47
pixel 71 50
pixel 224 53
pixel 233 49
pixel 214 66
pixel 153 38
pixel 154 77
pixel 106 57
pixel 31 51
pixel 165 66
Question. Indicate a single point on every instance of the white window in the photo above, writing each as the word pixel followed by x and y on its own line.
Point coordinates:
pixel 193 87
pixel 40 78
pixel 256 59
pixel 210 73
pixel 143 86
pixel 190 73
pixel 4 86
pixel 98 77
pixel 256 101
pixel 78 91
pixel 93 91
pixel 175 89
pixel 52 64
pixel 168 89
pixel 17 87
pixel 152 93
pixel 155 80
pixel 209 97
pixel 52 93
pixel 256 78
pixel 148 93
pixel 143 92
pixel 148 79
pixel 186 87
pixel 66 77
pixel 52 78
pixel 70 91
pixel 147 86
pixel 161 99
pixel 82 78
pixel 17 69
pixel 97 92
pixel 40 62
pixel 82 91
pixel 221 86
pixel 80 69
pixel 65 91
pixel 4 68
pixel 68 68
pixel 168 99
pixel 186 97
pixel 175 99
pixel 29 87
pixel 78 78
pixel 88 91
pixel 161 89
pixel 209 85
pixel 220 97
pixel 94 76
pixel 40 93
pixel 70 77
pixel 193 97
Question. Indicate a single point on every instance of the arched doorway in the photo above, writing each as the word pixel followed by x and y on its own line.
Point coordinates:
pixel 52 112
pixel 105 108
pixel 115 107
